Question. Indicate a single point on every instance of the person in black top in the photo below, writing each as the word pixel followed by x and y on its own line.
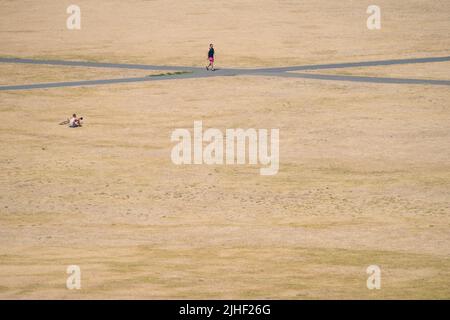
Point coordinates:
pixel 211 58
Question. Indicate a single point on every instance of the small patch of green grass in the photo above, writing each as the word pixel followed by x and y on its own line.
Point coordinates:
pixel 169 73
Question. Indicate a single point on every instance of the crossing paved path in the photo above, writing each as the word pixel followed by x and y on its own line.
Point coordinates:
pixel 197 72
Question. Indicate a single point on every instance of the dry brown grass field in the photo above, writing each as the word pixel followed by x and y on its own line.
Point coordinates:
pixel 364 174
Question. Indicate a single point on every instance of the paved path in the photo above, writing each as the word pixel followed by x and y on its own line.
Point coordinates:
pixel 197 72
pixel 363 79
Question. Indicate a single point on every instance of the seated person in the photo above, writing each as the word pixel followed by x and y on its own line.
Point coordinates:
pixel 74 121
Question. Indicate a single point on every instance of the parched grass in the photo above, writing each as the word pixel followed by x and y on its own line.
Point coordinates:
pixel 229 272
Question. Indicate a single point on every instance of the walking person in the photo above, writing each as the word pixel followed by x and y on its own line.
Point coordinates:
pixel 211 58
